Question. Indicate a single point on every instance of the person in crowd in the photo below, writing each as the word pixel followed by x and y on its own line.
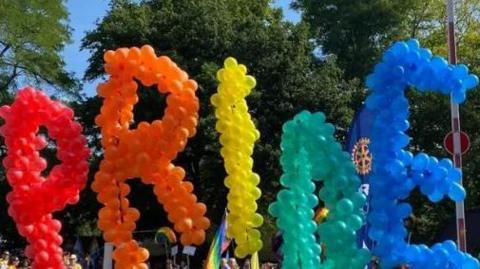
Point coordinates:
pixel 170 264
pixel 4 259
pixel 375 264
pixel 246 264
pixel 183 265
pixel 73 262
pixel 323 254
pixel 224 264
pixel 233 263
pixel 24 264
pixel 66 257
pixel 14 262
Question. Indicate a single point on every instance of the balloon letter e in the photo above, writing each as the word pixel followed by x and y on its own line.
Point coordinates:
pixel 396 171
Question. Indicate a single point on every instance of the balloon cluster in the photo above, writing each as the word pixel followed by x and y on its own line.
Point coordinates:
pixel 396 171
pixel 238 135
pixel 145 152
pixel 310 152
pixel 34 197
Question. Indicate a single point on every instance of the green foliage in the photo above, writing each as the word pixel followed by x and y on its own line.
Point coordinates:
pixel 32 35
pixel 355 31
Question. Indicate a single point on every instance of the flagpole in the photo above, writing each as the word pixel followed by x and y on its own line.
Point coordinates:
pixel 166 252
pixel 455 117
pixel 107 256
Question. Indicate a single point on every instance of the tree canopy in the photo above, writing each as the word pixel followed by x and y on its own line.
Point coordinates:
pixel 32 35
pixel 355 31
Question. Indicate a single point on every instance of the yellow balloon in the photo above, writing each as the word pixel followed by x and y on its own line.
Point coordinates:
pixel 237 137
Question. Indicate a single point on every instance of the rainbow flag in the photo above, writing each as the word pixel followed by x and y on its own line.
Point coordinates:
pixel 219 245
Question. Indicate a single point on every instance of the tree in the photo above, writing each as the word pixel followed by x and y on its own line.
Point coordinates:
pixel 355 31
pixel 199 35
pixel 32 35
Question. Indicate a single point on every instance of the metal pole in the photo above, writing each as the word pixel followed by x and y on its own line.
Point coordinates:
pixel 457 154
pixel 167 256
pixel 107 256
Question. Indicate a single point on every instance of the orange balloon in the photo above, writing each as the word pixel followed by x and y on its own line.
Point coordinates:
pixel 146 152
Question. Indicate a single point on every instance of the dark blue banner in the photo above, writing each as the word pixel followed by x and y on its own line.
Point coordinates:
pixel 357 144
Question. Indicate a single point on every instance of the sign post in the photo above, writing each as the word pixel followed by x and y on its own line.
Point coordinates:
pixel 107 256
pixel 455 115
pixel 189 251
pixel 174 251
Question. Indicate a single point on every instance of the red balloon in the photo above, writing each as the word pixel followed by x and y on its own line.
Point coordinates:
pixel 34 198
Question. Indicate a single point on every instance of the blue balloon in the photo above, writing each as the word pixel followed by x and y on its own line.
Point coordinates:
pixel 420 162
pixel 471 81
pixel 456 192
pixel 396 171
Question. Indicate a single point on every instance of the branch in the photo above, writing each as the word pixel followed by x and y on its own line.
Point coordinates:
pixel 10 79
pixel 463 21
pixel 33 73
pixel 4 50
pixel 418 18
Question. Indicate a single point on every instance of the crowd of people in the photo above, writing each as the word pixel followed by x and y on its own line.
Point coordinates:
pixel 173 265
pixel 232 264
pixel 9 261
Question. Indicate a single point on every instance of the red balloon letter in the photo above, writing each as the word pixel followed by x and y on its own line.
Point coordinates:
pixel 34 197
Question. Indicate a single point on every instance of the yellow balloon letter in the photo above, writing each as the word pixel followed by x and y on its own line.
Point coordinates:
pixel 237 137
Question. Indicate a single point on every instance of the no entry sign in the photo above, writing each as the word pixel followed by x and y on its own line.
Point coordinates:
pixel 464 142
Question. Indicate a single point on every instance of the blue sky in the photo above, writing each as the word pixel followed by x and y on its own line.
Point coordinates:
pixel 83 18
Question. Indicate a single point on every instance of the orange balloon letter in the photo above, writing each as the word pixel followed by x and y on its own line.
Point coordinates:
pixel 146 152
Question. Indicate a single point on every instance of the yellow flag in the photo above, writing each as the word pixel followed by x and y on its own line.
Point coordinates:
pixel 255 264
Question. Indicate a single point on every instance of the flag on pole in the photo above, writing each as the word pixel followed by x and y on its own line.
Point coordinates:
pixel 78 251
pixel 107 256
pixel 94 254
pixel 358 141
pixel 255 263
pixel 78 247
pixel 219 244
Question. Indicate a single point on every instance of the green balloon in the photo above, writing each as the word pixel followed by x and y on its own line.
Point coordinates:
pixel 310 153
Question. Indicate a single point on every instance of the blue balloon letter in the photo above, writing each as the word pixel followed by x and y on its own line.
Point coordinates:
pixel 395 170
